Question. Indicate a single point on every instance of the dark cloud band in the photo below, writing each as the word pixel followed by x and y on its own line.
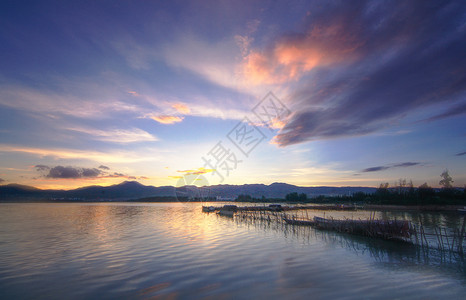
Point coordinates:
pixel 383 168
pixel 405 57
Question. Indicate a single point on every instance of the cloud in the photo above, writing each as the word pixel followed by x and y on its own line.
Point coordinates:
pixel 2 180
pixel 123 136
pixel 197 171
pixel 181 108
pixel 358 68
pixel 107 157
pixel 383 168
pixel 213 61
pixel 406 164
pixel 96 103
pixel 451 112
pixel 42 167
pixel 375 169
pixel 69 172
pixel 461 154
pixel 294 55
pixel 166 119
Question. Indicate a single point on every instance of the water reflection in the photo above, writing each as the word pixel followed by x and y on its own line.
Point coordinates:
pixel 386 254
pixel 171 250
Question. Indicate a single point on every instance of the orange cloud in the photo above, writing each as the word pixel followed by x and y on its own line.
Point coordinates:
pixel 290 58
pixel 166 119
pixel 181 108
pixel 197 171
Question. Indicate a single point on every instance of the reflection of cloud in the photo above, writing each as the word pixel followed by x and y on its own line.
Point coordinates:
pixel 382 168
pixel 166 119
pixel 181 108
pixel 122 136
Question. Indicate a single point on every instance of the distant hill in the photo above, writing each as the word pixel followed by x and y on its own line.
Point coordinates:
pixel 133 190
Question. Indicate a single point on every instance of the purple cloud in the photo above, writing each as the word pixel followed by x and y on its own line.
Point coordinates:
pixel 405 56
pixel 383 168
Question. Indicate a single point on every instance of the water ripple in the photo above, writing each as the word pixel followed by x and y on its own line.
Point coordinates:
pixel 174 251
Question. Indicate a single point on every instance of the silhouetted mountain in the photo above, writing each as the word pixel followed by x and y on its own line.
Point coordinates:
pixel 132 190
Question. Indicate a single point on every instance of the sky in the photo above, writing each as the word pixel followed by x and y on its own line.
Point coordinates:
pixel 311 93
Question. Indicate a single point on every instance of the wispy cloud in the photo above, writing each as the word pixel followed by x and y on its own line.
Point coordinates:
pixel 450 112
pixel 386 167
pixel 123 136
pixel 166 119
pixel 105 157
pixel 197 171
pixel 181 108
pixel 461 153
pixel 101 105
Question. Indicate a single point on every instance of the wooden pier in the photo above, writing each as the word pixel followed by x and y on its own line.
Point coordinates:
pixel 278 207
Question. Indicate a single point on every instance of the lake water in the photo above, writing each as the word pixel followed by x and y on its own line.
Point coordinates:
pixel 174 251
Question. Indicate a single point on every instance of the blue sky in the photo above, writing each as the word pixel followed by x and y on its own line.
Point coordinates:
pixel 97 92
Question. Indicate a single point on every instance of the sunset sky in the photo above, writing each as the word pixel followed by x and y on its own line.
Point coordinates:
pixel 99 92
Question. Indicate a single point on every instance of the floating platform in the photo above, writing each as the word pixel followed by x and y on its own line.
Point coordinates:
pixel 386 229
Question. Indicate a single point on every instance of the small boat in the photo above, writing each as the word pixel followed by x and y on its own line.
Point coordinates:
pixel 344 207
pixel 387 229
pixel 208 208
pixel 275 207
pixel 228 210
pixel 298 222
pixel 226 213
pixel 462 210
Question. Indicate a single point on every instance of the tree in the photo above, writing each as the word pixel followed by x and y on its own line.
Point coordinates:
pixel 302 197
pixel 244 198
pixel 425 192
pixel 446 181
pixel 294 197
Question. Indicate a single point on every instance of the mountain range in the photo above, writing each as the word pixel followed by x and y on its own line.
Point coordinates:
pixel 133 190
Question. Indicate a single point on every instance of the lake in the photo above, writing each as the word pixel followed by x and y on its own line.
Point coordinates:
pixel 174 251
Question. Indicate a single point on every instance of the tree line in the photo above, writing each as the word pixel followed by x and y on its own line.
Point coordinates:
pixel 402 192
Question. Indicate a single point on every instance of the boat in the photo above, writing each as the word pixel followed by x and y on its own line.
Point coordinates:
pixel 208 208
pixel 387 229
pixel 462 210
pixel 298 222
pixel 226 213
pixel 228 210
pixel 275 207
